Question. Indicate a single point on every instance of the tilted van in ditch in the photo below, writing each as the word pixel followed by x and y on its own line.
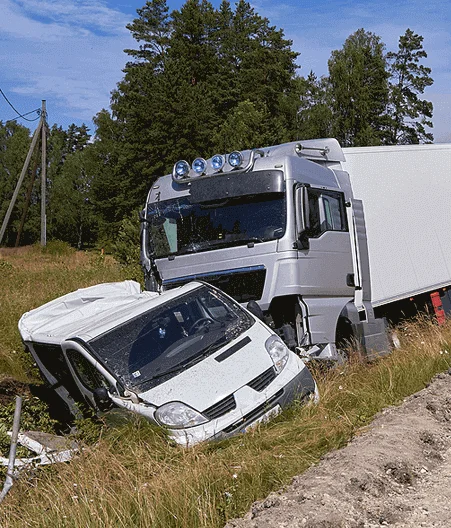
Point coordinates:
pixel 323 242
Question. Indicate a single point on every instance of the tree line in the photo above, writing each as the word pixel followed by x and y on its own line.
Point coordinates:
pixel 202 81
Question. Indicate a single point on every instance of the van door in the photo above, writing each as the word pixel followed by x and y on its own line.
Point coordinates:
pixel 87 373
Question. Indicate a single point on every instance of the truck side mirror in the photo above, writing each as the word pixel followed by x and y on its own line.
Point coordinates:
pixel 302 218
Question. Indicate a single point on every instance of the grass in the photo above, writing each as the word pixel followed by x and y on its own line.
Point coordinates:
pixel 31 276
pixel 131 476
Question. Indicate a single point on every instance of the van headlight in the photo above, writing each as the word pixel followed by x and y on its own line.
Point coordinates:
pixel 278 351
pixel 178 415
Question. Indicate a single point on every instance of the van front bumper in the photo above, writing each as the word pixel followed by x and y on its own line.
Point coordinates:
pixel 299 388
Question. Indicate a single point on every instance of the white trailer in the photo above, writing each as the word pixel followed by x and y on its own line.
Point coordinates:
pixel 405 191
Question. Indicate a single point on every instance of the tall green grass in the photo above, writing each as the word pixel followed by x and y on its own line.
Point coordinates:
pixel 132 476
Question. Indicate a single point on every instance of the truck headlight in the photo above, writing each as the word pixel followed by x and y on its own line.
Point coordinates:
pixel 180 170
pixel 199 166
pixel 178 415
pixel 217 162
pixel 278 351
pixel 235 159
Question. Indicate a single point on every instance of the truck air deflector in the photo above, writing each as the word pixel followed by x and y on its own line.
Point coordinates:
pixel 230 185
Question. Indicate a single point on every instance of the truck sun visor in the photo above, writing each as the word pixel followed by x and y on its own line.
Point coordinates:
pixel 231 185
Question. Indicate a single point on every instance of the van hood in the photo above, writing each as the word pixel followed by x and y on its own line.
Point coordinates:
pixel 216 376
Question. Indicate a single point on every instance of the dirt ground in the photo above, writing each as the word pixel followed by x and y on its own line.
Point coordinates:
pixel 396 472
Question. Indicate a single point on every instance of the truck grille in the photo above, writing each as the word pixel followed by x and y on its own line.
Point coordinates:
pixel 263 380
pixel 222 407
pixel 243 284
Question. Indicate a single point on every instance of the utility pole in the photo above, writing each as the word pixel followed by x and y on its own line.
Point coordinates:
pixel 34 172
pixel 41 127
pixel 43 175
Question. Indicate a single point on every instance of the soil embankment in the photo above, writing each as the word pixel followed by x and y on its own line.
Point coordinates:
pixel 396 472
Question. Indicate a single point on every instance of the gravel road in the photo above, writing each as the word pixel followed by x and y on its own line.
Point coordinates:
pixel 396 472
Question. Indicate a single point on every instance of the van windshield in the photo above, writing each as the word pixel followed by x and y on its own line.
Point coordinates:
pixel 178 227
pixel 153 347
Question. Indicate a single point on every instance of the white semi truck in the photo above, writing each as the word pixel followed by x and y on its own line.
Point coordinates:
pixel 283 230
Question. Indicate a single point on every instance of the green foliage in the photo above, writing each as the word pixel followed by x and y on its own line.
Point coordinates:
pixel 126 247
pixel 203 80
pixel 132 476
pixel 359 89
pixel 195 71
pixel 14 144
pixel 315 117
pixel 57 248
pixel 409 114
pixel 34 417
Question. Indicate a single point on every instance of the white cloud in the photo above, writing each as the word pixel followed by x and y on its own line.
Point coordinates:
pixel 72 59
pixel 90 13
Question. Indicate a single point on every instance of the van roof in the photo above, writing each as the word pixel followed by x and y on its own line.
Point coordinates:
pixel 89 312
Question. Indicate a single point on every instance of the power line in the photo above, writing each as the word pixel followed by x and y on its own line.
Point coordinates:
pixel 17 112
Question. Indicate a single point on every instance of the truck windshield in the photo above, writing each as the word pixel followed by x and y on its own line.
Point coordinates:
pixel 153 347
pixel 178 227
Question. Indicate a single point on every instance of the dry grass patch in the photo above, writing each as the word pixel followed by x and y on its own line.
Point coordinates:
pixel 32 276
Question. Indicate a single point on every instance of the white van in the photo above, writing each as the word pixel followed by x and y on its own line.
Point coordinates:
pixel 190 359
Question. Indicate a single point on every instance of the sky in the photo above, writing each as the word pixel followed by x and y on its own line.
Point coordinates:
pixel 70 52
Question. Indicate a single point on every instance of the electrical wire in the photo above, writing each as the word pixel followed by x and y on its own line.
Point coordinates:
pixel 18 113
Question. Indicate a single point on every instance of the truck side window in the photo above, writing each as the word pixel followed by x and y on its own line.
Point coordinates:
pixel 327 212
pixel 86 372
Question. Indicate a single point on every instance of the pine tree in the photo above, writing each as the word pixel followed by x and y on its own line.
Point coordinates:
pixel 314 119
pixel 359 89
pixel 409 115
pixel 193 70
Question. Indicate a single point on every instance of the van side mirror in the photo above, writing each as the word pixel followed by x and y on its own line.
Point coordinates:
pixel 101 398
pixel 255 309
pixel 302 217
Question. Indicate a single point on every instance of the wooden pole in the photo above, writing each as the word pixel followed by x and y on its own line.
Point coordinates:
pixel 21 177
pixel 43 175
pixel 27 201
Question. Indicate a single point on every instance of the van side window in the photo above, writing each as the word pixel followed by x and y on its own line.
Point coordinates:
pixel 86 372
pixel 327 212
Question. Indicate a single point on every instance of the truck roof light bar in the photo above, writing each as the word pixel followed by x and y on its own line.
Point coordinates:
pixel 324 151
pixel 183 172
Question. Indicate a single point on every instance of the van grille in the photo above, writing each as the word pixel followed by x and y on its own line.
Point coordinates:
pixel 263 380
pixel 222 407
pixel 255 413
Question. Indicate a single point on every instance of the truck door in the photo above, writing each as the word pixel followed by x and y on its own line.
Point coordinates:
pixel 325 258
pixel 87 374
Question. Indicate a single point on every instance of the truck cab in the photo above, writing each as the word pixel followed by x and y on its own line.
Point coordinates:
pixel 279 230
